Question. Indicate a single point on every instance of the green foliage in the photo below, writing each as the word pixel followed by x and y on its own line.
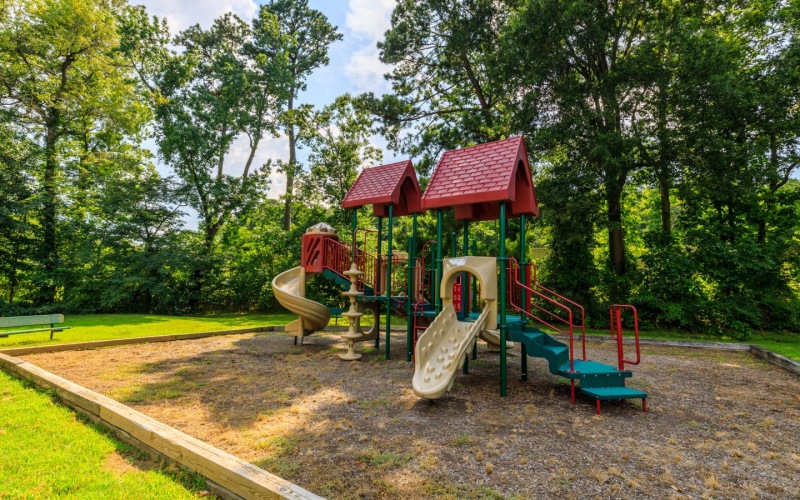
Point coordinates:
pixel 222 86
pixel 338 141
pixel 444 94
pixel 304 35
pixel 664 142
pixel 64 86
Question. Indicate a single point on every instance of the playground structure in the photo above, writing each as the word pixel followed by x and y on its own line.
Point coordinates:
pixel 486 182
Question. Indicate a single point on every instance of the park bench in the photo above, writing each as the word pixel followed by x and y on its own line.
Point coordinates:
pixel 42 319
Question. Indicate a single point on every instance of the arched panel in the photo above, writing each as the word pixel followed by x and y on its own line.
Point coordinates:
pixel 484 269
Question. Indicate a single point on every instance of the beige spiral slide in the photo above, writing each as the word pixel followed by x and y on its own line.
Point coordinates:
pixel 289 289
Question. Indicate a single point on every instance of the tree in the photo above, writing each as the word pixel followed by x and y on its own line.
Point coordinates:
pixel 17 212
pixel 221 87
pixel 62 82
pixel 307 34
pixel 441 51
pixel 338 140
pixel 587 90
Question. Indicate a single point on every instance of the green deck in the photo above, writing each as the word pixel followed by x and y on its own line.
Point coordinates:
pixel 587 368
pixel 613 393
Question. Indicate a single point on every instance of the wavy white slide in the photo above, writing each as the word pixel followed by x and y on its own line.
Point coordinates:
pixel 441 351
pixel 288 288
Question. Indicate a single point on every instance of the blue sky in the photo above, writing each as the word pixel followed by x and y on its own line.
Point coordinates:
pixel 354 64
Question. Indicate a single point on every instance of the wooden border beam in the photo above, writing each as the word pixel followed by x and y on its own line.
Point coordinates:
pixel 232 473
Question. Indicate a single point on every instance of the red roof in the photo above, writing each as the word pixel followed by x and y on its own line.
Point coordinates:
pixel 395 183
pixel 473 179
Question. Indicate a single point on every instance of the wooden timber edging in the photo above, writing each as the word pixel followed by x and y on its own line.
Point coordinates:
pixel 776 359
pixel 757 351
pixel 95 344
pixel 237 477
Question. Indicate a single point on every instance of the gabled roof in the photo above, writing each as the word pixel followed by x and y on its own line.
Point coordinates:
pixel 395 183
pixel 473 179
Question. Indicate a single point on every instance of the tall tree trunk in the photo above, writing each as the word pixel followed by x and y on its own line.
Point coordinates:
pixel 287 203
pixel 47 293
pixel 663 161
pixel 616 240
pixel 666 208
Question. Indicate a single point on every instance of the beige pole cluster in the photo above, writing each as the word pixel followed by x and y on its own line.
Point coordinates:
pixel 353 316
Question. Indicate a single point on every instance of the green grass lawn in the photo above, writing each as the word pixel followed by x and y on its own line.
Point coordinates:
pixel 85 328
pixel 47 450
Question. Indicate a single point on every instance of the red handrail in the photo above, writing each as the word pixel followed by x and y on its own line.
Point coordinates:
pixel 338 259
pixel 366 232
pixel 568 301
pixel 615 312
pixel 513 270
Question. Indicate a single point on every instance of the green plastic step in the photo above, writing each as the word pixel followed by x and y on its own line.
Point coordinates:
pixel 540 345
pixel 589 369
pixel 610 393
pixel 556 350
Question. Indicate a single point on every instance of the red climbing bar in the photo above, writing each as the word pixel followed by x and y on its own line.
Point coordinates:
pixel 615 313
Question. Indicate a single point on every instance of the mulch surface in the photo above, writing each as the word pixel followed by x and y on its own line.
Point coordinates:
pixel 720 424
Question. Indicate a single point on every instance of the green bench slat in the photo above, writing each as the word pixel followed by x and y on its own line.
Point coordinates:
pixel 42 319
pixel 54 329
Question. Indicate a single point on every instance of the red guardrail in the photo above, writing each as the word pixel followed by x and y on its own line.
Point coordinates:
pixel 338 258
pixel 572 303
pixel 615 312
pixel 513 271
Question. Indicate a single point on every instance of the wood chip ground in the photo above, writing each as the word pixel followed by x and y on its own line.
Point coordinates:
pixel 720 424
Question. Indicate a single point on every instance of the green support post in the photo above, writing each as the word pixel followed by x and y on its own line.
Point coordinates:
pixel 474 282
pixel 453 251
pixel 523 294
pixel 465 277
pixel 474 297
pixel 378 280
pixel 439 271
pixel 354 227
pixel 389 255
pixel 412 266
pixel 503 261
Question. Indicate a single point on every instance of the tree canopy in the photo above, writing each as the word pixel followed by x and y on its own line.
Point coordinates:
pixel 664 139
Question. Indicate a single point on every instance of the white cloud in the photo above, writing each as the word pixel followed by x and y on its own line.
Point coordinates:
pixel 367 21
pixel 365 70
pixel 181 14
pixel 269 148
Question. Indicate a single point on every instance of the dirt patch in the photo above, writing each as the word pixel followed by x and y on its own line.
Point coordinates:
pixel 117 464
pixel 720 424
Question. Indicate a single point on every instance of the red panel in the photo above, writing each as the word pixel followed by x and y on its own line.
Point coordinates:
pixel 395 183
pixel 473 179
pixel 312 253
